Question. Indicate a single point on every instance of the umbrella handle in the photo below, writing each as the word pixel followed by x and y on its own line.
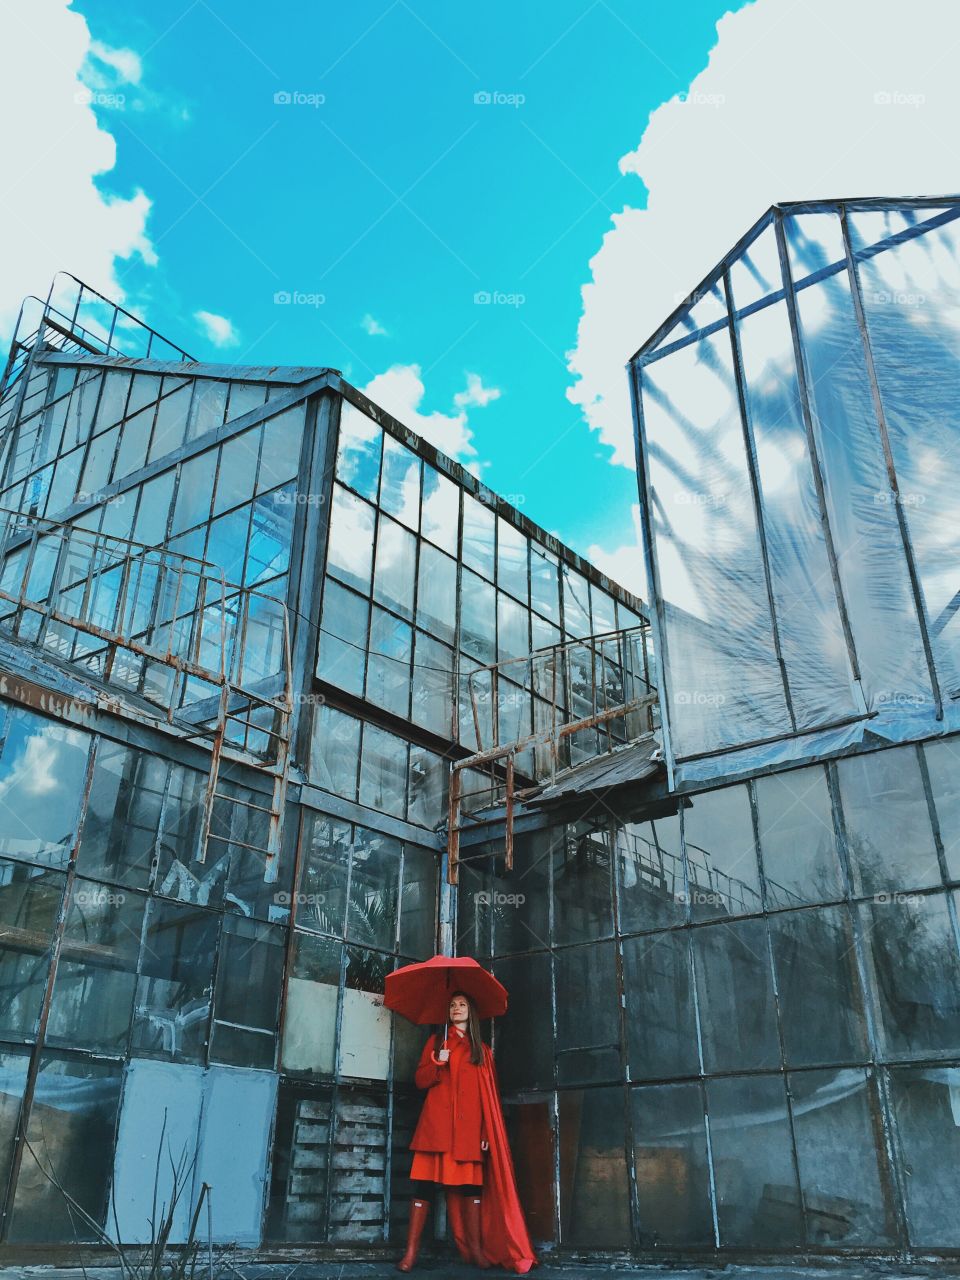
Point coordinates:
pixel 437 1061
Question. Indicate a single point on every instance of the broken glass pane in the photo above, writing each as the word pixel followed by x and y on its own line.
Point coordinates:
pixel 247 999
pixel 176 978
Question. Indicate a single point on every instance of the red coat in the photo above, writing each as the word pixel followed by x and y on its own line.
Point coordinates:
pixel 452 1118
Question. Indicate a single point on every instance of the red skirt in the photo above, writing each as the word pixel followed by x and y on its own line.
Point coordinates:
pixel 440 1166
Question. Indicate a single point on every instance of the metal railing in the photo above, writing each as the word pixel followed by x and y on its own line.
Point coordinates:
pixel 590 696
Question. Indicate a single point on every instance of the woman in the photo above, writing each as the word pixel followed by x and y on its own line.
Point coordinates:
pixel 460 1143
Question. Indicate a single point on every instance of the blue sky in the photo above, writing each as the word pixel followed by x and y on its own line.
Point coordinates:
pixel 399 198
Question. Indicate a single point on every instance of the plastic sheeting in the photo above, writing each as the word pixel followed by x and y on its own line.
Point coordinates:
pixel 782 535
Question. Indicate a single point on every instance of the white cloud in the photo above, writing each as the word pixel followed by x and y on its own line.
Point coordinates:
pixel 624 564
pixel 476 393
pixel 123 63
pixel 798 101
pixel 400 390
pixel 218 329
pixel 52 215
pixel 373 327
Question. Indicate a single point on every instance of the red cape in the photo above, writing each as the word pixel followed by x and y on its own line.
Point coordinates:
pixel 503 1230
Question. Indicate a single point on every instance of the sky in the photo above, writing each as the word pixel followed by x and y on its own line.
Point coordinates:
pixel 476 212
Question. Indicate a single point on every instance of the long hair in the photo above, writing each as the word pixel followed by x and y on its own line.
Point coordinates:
pixel 473 1030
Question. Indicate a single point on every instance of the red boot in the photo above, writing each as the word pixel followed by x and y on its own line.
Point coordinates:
pixel 419 1210
pixel 457 1227
pixel 471 1220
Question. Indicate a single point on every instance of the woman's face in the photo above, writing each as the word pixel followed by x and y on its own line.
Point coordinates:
pixel 459 1011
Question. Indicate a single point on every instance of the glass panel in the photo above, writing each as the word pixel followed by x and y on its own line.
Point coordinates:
pixel 383 771
pixel 433 685
pixel 758 1202
pixel 478 536
pixel 836 1120
pixel 441 510
pixel 721 854
pixel 756 272
pixel 735 992
pixel 358 451
pixel 237 470
pixel 193 492
pixel 418 902
pixel 29 904
pixel 335 754
pixel 478 618
pixel 925 1103
pixel 582 887
pixel 427 793
pixel 820 1004
pixel 651 873
pixel 661 1018
pixel 396 568
pixel 247 1001
pixel 388 663
pixel 280 452
pixel 208 408
pixel 797 838
pixel 134 441
pixel 587 999
pixel 227 542
pixel 374 889
pixel 520 902
pixel 97 972
pixel 171 424
pixel 863 520
pixel 322 898
pixel 723 678
pixel 113 400
pixel 544 583
pixel 943 765
pixel 513 635
pixel 524 1035
pixel 13 1078
pixel 343 637
pixel 42 769
pixel 888 831
pixel 811 635
pixel 309 1028
pixel 71 1129
pixel 400 483
pixel 176 976
pixel 673 1172
pixel 244 397
pixel 913 966
pixel 437 593
pixel 512 560
pixel 350 548
pixel 909 299
pixel 576 604
pixel 594 1199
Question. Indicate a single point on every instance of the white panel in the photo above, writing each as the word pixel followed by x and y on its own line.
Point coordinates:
pixel 154 1094
pixel 235 1125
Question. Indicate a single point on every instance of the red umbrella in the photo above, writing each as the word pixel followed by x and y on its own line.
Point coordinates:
pixel 421 992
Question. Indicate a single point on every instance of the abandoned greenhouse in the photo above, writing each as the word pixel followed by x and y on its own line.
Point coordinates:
pixel 289 699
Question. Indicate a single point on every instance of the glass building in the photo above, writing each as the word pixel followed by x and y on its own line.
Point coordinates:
pixel 239 611
pixel 735 973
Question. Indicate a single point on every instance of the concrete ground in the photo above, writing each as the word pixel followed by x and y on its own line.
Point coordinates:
pixel 440 1267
